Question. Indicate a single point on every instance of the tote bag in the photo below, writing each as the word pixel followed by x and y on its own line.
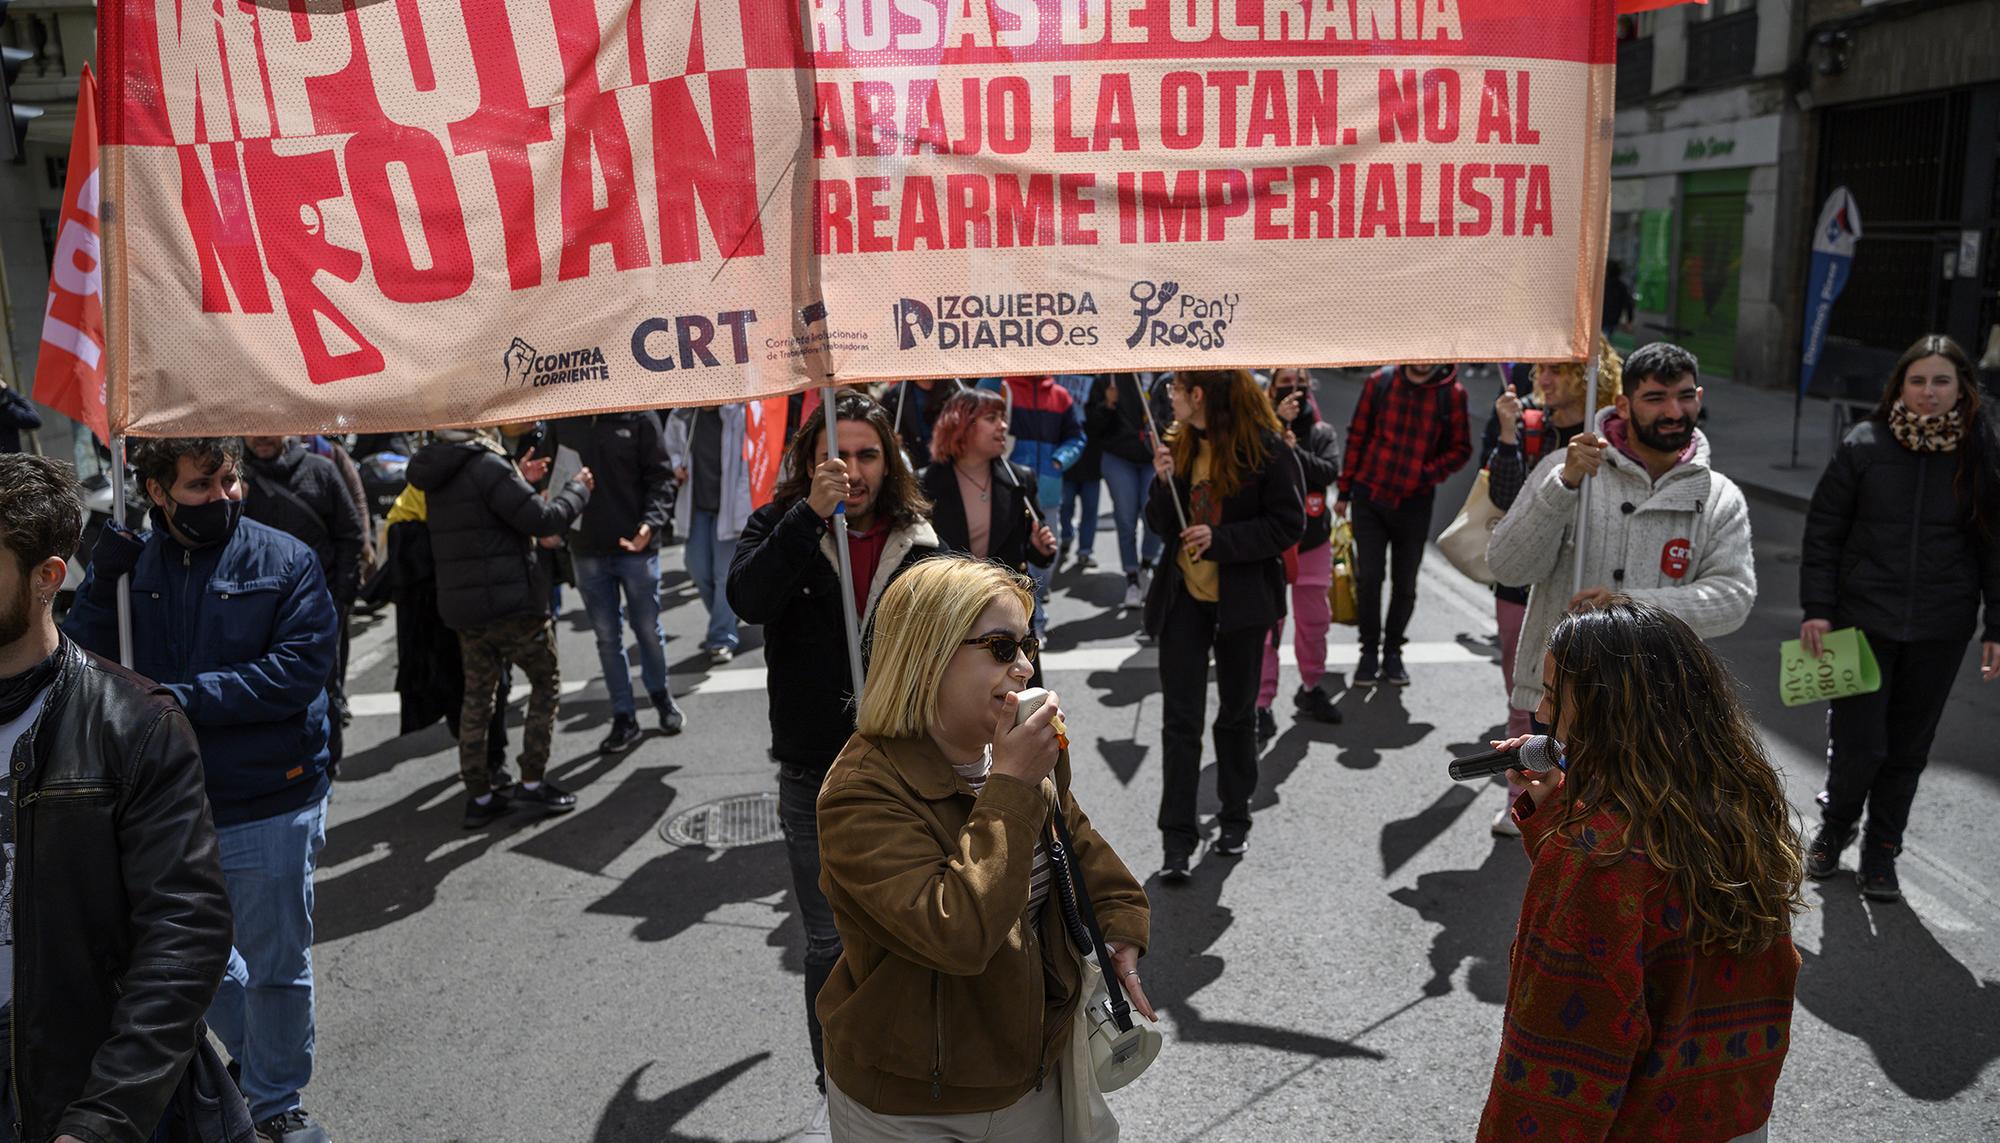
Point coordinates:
pixel 1464 542
pixel 1340 597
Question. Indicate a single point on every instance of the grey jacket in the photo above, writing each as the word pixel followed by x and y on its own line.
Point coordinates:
pixel 1693 521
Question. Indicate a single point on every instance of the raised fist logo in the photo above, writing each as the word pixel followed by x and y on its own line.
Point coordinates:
pixel 517 363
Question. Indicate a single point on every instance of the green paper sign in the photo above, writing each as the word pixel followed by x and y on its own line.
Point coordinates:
pixel 1846 669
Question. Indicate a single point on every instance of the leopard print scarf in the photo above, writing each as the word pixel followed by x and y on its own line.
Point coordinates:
pixel 1926 434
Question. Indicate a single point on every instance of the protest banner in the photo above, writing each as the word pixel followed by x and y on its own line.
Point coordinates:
pixel 359 215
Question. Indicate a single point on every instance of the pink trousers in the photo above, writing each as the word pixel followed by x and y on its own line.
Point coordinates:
pixel 1311 616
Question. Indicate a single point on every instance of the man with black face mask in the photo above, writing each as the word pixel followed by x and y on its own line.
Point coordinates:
pixel 235 620
pixel 1665 527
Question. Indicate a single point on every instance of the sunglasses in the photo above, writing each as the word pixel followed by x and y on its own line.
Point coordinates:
pixel 1003 648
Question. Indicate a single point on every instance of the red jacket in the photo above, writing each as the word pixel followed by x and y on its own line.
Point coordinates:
pixel 1615 1027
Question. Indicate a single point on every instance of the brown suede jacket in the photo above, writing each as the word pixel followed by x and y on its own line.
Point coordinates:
pixel 948 997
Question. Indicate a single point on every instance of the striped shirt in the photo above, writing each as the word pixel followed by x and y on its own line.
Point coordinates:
pixel 975 774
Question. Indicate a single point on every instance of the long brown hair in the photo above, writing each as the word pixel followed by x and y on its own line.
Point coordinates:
pixel 1657 736
pixel 900 500
pixel 1977 484
pixel 1241 428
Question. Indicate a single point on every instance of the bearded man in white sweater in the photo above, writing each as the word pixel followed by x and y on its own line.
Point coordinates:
pixel 1664 526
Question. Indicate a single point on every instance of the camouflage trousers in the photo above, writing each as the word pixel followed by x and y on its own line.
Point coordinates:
pixel 528 642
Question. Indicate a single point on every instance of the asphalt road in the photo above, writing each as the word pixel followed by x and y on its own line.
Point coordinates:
pixel 579 979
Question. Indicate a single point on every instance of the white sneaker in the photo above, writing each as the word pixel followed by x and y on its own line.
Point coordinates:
pixel 819 1130
pixel 1504 824
pixel 1134 598
pixel 720 655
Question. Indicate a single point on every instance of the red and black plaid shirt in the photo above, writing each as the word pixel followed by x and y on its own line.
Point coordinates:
pixel 1405 439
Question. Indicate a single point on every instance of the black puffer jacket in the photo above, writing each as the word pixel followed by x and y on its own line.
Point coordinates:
pixel 785 579
pixel 304 496
pixel 1888 548
pixel 121 924
pixel 484 520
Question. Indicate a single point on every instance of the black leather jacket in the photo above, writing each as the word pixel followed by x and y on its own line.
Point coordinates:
pixel 122 928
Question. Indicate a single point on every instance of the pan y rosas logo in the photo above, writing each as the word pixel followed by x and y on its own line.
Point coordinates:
pixel 1171 316
pixel 996 321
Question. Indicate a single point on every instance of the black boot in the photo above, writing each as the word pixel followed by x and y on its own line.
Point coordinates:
pixel 1877 874
pixel 1823 855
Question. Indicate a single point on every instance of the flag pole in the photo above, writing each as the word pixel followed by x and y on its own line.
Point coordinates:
pixel 125 579
pixel 845 559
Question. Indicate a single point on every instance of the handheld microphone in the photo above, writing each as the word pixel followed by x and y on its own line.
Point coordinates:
pixel 1539 754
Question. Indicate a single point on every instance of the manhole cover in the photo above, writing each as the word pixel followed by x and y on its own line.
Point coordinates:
pixel 746 819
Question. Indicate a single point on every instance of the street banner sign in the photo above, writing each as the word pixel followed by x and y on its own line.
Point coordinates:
pixel 1832 262
pixel 70 369
pixel 359 215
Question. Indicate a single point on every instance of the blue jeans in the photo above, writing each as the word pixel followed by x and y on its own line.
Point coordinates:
pixel 1079 489
pixel 798 813
pixel 1129 483
pixel 708 561
pixel 264 1009
pixel 599 579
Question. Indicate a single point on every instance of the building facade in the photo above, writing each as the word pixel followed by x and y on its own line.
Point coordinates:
pixel 1699 174
pixel 62 37
pixel 1902 99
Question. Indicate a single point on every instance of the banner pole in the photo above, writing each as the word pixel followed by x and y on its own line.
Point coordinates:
pixel 848 612
pixel 1152 426
pixel 1583 490
pixel 125 580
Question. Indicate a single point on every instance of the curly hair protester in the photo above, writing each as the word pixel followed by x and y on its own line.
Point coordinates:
pixel 1666 871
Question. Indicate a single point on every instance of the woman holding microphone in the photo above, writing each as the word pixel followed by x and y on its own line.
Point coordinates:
pixel 956 988
pixel 1650 988
pixel 1902 541
pixel 1230 494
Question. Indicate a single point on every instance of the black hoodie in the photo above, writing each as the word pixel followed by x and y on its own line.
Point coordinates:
pixel 484 520
pixel 301 494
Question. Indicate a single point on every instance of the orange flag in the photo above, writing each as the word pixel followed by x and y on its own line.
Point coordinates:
pixel 764 446
pixel 69 374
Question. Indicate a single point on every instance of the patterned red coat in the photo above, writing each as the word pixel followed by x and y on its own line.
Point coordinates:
pixel 1615 1027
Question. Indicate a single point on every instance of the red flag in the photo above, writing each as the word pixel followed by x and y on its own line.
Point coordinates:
pixel 764 445
pixel 1627 7
pixel 69 374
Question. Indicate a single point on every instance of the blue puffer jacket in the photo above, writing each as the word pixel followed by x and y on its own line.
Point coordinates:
pixel 1048 432
pixel 243 634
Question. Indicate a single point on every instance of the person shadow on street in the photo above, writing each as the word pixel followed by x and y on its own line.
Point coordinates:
pixel 1188 919
pixel 1477 911
pixel 1881 976
pixel 631 1116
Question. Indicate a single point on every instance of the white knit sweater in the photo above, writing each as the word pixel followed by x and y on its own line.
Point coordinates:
pixel 1694 520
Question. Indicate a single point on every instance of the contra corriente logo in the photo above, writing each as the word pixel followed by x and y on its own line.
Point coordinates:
pixel 523 368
